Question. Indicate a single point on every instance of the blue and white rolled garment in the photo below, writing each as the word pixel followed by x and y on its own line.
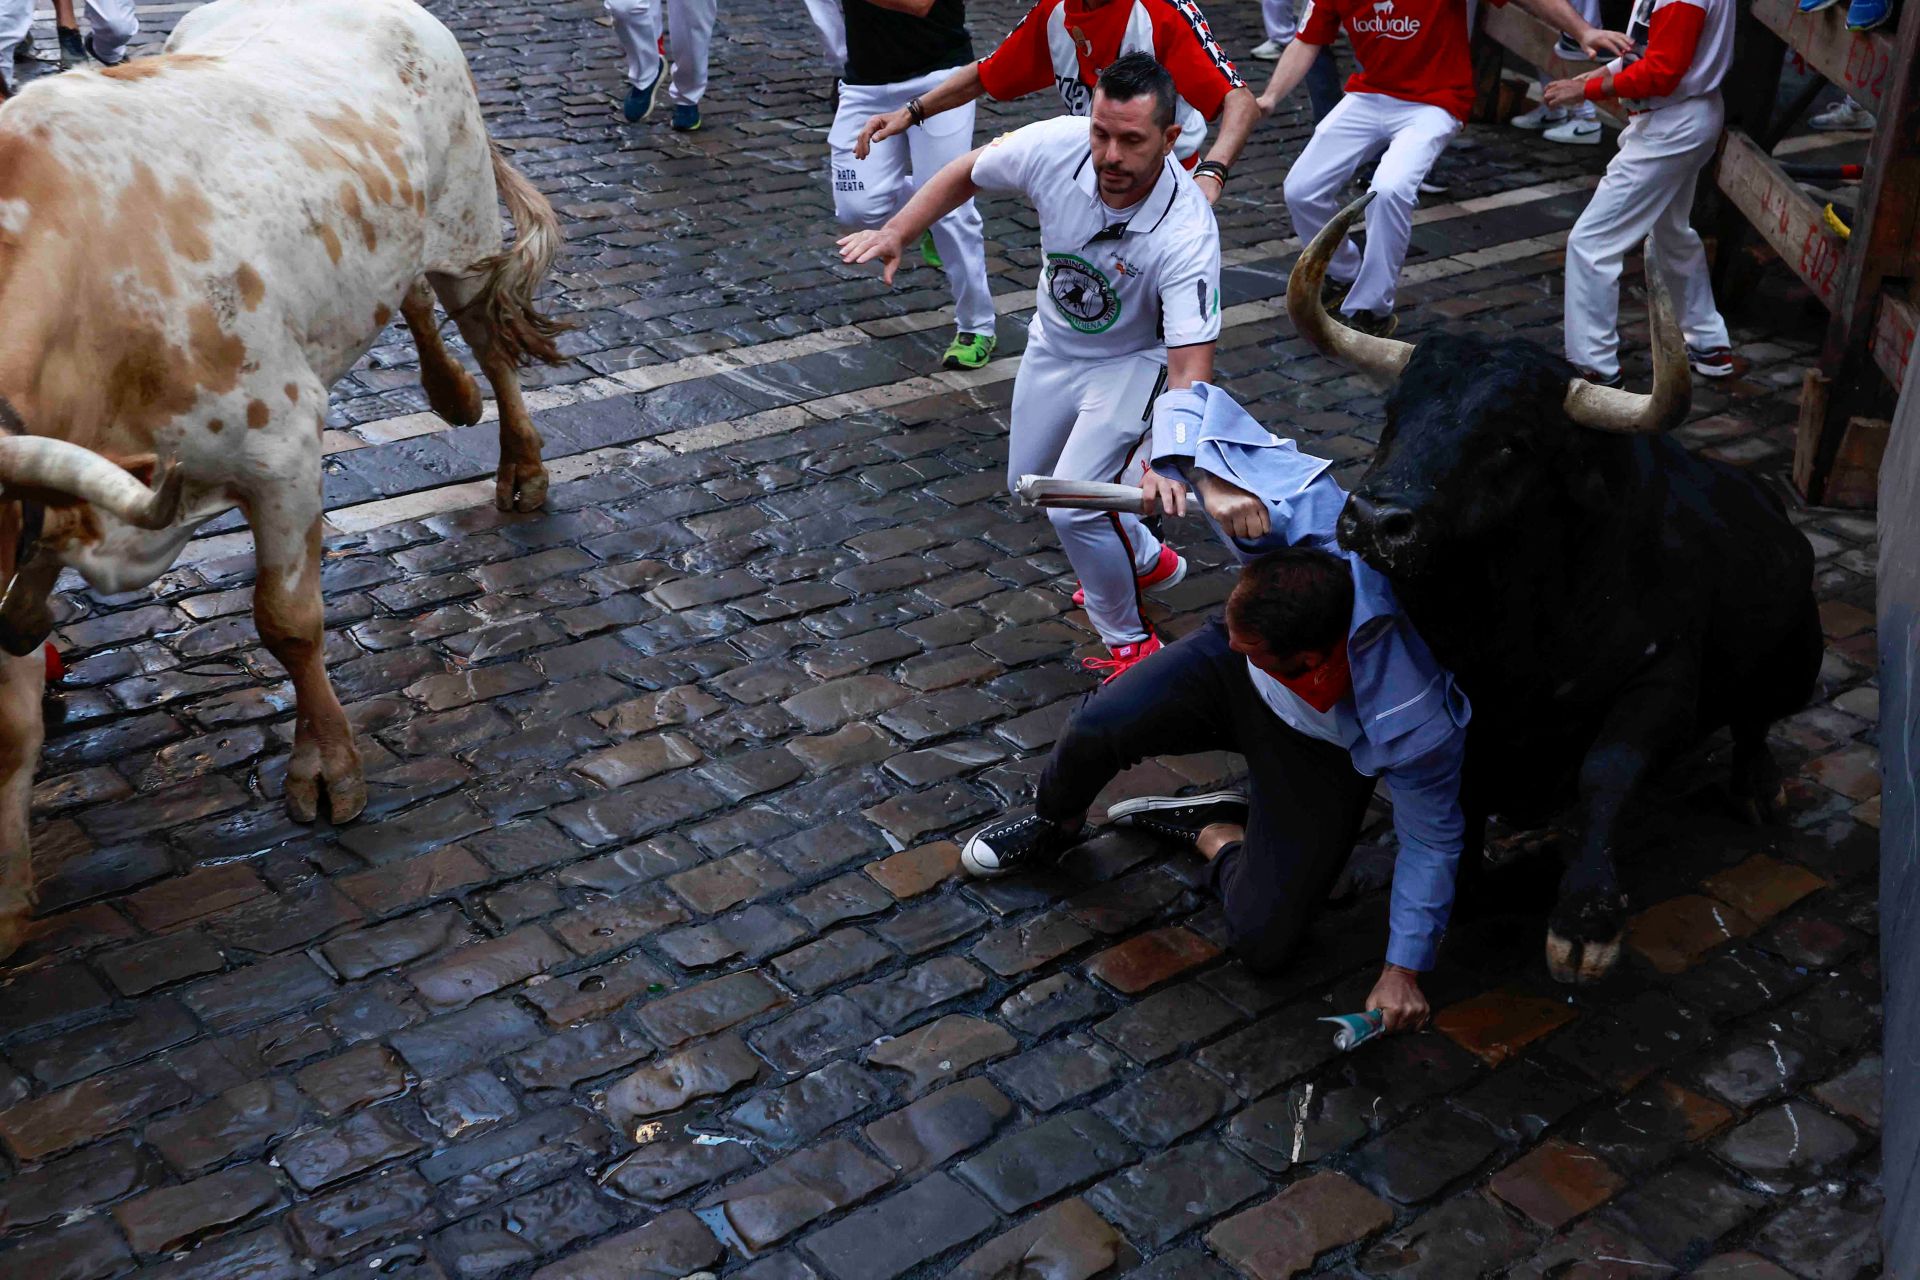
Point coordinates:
pixel 1355 1029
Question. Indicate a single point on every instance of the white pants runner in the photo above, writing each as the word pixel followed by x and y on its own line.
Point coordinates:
pixel 16 22
pixel 1647 191
pixel 1087 420
pixel 1408 137
pixel 1281 19
pixel 689 39
pixel 868 192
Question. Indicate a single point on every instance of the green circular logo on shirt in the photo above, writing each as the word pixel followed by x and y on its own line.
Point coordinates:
pixel 1081 293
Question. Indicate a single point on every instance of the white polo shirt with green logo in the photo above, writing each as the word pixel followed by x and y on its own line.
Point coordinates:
pixel 1113 282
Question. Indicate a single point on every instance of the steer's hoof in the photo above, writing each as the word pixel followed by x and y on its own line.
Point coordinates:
pixel 1583 939
pixel 307 780
pixel 520 486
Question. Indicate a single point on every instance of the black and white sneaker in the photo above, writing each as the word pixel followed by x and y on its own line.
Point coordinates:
pixel 1017 844
pixel 73 48
pixel 1180 818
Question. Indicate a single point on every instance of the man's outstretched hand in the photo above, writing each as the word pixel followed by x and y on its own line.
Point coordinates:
pixel 1601 45
pixel 866 246
pixel 1397 996
pixel 1238 513
pixel 1159 494
pixel 880 128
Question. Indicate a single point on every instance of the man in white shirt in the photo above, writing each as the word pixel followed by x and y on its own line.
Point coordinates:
pixel 1128 308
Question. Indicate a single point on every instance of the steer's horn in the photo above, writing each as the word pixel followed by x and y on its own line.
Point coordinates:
pixel 1381 359
pixel 1628 412
pixel 35 462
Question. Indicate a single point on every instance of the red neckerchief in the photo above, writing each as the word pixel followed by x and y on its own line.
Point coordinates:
pixel 1326 684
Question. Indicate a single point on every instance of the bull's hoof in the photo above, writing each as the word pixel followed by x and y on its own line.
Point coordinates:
pixel 1584 935
pixel 456 400
pixel 520 486
pixel 308 778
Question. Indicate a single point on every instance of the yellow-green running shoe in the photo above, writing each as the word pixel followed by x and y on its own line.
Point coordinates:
pixel 929 251
pixel 969 351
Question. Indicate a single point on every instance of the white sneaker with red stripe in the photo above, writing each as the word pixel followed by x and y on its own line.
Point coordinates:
pixel 1124 656
pixel 1168 571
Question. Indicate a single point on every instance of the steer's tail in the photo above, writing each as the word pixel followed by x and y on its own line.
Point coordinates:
pixel 509 279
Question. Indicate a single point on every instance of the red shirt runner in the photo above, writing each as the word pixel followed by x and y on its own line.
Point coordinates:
pixel 1025 62
pixel 1414 50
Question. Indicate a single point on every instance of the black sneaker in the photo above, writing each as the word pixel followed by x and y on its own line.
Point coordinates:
pixel 24 51
pixel 73 50
pixel 1380 326
pixel 94 53
pixel 1616 379
pixel 1180 818
pixel 1016 844
pixel 1334 292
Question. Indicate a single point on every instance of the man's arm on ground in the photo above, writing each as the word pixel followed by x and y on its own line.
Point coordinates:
pixel 958 89
pixel 1427 818
pixel 946 191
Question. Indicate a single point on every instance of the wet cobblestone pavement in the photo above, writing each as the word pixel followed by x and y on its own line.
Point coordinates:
pixel 649 959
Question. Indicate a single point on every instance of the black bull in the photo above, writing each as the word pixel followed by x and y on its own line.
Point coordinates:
pixel 1605 598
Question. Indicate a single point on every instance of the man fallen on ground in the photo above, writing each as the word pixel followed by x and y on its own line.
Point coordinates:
pixel 1067 44
pixel 1313 675
pixel 1128 306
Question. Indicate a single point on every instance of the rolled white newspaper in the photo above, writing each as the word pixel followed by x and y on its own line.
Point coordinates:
pixel 1086 495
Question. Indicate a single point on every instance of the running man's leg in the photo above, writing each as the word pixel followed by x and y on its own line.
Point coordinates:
pixel 636 24
pixel 1420 133
pixel 867 192
pixel 1349 137
pixel 1631 197
pixel 16 24
pixel 689 42
pixel 1110 549
pixel 111 26
pixel 831 21
pixel 960 236
pixel 1676 245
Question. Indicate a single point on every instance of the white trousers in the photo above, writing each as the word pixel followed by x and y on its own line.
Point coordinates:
pixel 831 22
pixel 868 192
pixel 1281 18
pixel 1589 10
pixel 113 24
pixel 16 21
pixel 689 39
pixel 1408 137
pixel 1087 420
pixel 1647 191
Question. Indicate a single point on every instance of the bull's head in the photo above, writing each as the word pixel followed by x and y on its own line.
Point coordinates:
pixel 1474 425
pixel 36 473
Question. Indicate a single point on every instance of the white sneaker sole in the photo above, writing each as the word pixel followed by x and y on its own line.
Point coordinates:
pixel 1157 804
pixel 1174 579
pixel 1575 139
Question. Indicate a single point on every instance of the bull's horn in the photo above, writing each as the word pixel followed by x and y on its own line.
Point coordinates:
pixel 35 462
pixel 1381 359
pixel 1627 412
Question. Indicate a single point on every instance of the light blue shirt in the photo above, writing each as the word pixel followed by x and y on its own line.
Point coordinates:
pixel 1412 718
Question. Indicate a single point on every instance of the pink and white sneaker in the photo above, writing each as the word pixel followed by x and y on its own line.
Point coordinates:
pixel 1167 571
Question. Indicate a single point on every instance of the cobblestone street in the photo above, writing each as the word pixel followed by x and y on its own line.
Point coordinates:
pixel 650 956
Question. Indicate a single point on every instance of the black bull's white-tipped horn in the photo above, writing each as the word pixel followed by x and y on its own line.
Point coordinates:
pixel 1384 359
pixel 38 464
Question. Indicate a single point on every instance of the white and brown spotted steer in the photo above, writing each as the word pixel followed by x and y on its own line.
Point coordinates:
pixel 193 248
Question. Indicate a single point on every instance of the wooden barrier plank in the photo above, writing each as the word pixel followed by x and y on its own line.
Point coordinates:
pixel 1861 62
pixel 1532 40
pixel 1785 215
pixel 1893 328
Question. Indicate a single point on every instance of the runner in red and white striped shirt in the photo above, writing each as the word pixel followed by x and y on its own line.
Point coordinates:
pixel 1670 86
pixel 1068 43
